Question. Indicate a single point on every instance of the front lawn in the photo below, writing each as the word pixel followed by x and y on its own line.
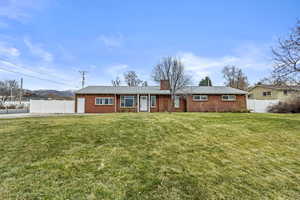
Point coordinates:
pixel 151 156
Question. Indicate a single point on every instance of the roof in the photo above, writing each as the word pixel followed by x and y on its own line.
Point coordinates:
pixel 156 90
pixel 278 87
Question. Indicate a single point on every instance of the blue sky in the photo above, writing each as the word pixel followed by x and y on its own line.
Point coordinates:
pixel 54 39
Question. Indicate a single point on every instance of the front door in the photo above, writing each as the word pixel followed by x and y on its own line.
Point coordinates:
pixel 143 103
pixel 80 105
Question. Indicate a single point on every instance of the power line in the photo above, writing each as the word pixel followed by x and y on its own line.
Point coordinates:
pixel 31 76
pixel 83 73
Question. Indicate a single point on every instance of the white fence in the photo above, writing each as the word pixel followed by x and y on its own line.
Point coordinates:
pixel 260 106
pixel 52 106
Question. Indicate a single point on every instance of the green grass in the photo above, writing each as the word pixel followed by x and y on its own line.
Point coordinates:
pixel 151 156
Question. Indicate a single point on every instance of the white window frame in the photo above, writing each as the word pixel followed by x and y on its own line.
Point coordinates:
pixel 201 97
pixel 177 102
pixel 128 97
pixel 151 97
pixel 103 101
pixel 229 99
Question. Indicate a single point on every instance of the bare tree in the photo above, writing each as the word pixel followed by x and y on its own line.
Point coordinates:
pixel 4 93
pixel 274 80
pixel 286 58
pixel 235 77
pixel 8 88
pixel 116 82
pixel 172 70
pixel 131 78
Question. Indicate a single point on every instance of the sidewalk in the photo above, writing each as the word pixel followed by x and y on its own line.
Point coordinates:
pixel 23 115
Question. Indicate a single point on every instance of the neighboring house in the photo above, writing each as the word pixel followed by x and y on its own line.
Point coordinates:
pixel 108 99
pixel 273 92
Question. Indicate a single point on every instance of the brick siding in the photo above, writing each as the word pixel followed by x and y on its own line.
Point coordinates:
pixel 215 104
pixel 163 102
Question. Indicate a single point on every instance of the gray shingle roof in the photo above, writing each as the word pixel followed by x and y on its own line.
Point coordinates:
pixel 156 90
pixel 279 87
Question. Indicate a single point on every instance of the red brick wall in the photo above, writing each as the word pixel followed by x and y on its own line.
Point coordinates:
pixel 90 106
pixel 165 103
pixel 215 104
pixel 164 84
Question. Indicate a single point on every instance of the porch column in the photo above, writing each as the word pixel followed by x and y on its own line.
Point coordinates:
pixel 149 101
pixel 138 103
pixel 187 100
pixel 115 101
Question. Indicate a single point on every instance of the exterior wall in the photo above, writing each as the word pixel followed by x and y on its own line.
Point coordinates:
pixel 163 102
pixel 164 85
pixel 215 104
pixel 257 93
pixel 276 94
pixel 90 106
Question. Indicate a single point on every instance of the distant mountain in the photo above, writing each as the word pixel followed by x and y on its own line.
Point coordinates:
pixel 49 94
pixel 66 93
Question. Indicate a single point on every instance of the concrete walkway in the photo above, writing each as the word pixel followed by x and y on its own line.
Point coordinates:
pixel 23 115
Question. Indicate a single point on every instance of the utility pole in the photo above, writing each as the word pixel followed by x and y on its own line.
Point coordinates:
pixel 11 93
pixel 21 90
pixel 83 73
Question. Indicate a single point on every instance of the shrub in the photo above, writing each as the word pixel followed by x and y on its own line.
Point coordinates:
pixel 243 111
pixel 291 106
pixel 11 107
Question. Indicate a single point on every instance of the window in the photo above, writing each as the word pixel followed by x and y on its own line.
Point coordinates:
pixel 104 101
pixel 267 94
pixel 285 92
pixel 153 101
pixel 127 101
pixel 200 97
pixel 228 97
pixel 177 102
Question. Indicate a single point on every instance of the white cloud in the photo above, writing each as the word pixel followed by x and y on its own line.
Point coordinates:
pixel 247 57
pixel 19 9
pixel 8 51
pixel 12 67
pixel 92 67
pixel 47 75
pixel 38 73
pixel 111 41
pixel 117 70
pixel 66 54
pixel 37 50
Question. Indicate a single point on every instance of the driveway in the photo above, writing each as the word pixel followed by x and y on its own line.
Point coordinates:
pixel 22 115
pixel 14 111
